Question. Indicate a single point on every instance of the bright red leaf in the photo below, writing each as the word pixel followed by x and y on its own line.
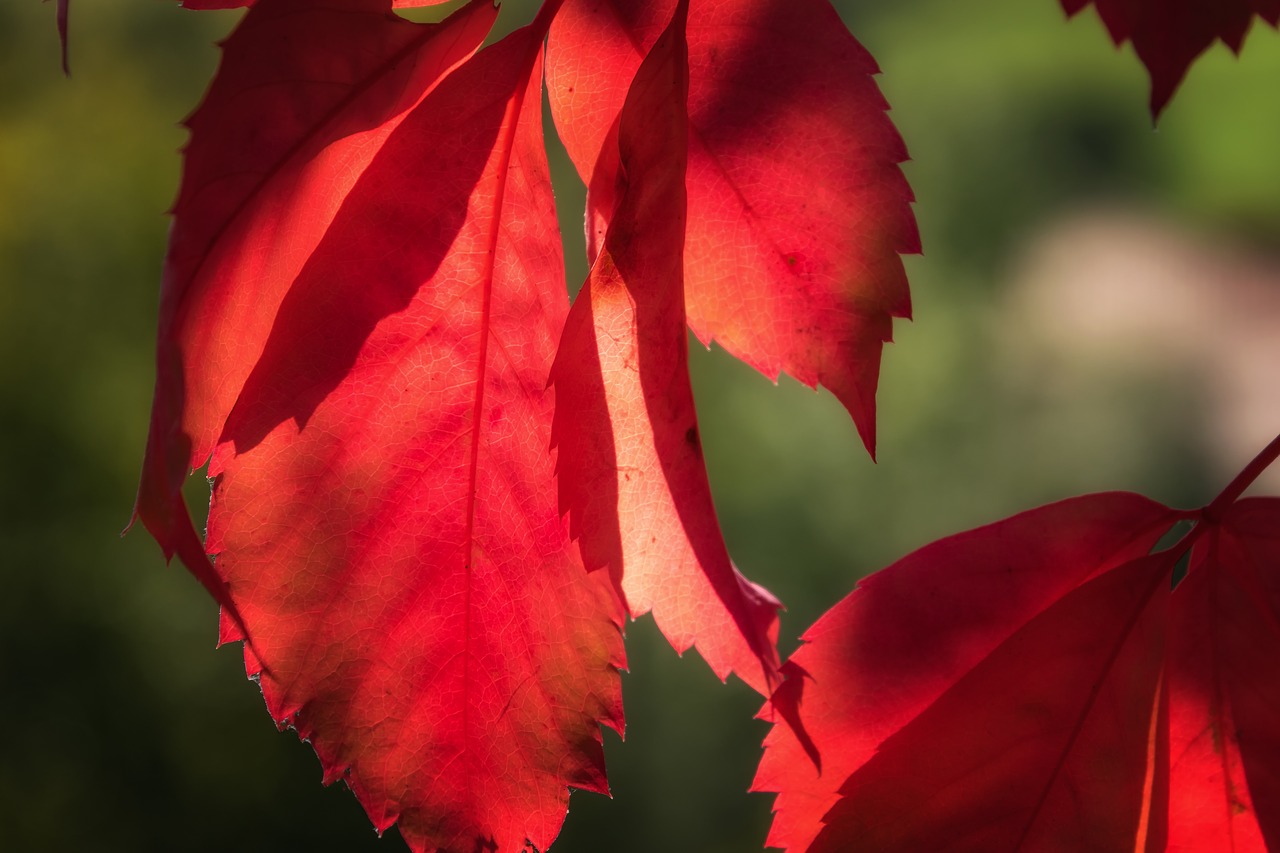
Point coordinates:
pixel 630 458
pixel 306 96
pixel 1033 684
pixel 1170 34
pixel 376 278
pixel 1224 690
pixel 797 209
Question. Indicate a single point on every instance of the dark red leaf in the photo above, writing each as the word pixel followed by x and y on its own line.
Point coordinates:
pixel 1169 35
pixel 1044 745
pixel 798 211
pixel 630 459
pixel 1114 716
pixel 1225 689
pixel 910 633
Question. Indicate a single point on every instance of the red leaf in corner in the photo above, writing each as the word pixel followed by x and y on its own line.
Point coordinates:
pixel 381 297
pixel 1044 745
pixel 630 461
pixel 306 95
pixel 798 211
pixel 908 635
pixel 1067 700
pixel 1169 35
pixel 1224 688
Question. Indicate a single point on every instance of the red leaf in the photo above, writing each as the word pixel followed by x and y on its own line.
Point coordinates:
pixel 306 96
pixel 1071 702
pixel 382 292
pixel 1224 688
pixel 880 658
pixel 1044 745
pixel 202 5
pixel 630 460
pixel 797 208
pixel 1169 35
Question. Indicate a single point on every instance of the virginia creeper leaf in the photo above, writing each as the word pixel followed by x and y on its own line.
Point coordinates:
pixel 306 95
pixel 384 518
pixel 1041 746
pixel 630 461
pixel 1115 715
pixel 907 634
pixel 797 209
pixel 1169 35
pixel 384 512
pixel 1224 689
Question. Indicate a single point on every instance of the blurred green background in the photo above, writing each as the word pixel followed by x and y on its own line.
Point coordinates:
pixel 121 729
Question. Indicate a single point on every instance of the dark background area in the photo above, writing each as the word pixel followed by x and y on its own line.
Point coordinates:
pixel 121 729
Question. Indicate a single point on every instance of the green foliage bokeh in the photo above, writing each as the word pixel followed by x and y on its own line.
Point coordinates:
pixel 123 730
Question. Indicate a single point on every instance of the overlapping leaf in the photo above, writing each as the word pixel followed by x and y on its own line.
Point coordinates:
pixel 1224 688
pixel 1170 34
pixel 630 460
pixel 1034 685
pixel 797 209
pixel 887 652
pixel 307 94
pixel 381 304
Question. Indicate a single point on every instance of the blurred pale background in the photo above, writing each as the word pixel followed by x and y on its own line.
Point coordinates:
pixel 1098 307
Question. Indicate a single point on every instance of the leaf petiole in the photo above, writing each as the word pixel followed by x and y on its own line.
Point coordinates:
pixel 1242 481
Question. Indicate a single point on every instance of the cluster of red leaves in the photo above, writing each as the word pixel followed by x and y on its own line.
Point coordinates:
pixel 365 333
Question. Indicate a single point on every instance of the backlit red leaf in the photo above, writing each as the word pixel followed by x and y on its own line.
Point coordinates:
pixel 1113 716
pixel 798 211
pixel 630 459
pixel 1224 687
pixel 381 293
pixel 307 94
pixel 1170 34
pixel 64 9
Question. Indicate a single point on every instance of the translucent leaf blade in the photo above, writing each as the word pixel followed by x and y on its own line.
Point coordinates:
pixel 630 467
pixel 798 211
